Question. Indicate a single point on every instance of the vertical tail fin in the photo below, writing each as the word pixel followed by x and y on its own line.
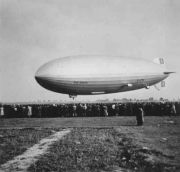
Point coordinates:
pixel 163 84
pixel 159 61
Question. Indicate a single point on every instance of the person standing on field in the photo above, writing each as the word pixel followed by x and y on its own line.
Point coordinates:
pixel 29 111
pixel 173 109
pixel 113 107
pixel 74 110
pixel 1 111
pixel 139 112
pixel 105 110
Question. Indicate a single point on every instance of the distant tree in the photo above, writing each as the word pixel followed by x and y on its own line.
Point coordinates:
pixel 161 99
pixel 151 99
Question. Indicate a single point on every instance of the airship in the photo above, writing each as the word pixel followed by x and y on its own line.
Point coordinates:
pixel 92 75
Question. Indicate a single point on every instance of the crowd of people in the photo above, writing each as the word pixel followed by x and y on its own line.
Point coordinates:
pixel 89 109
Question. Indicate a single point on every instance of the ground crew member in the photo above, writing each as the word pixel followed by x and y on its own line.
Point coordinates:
pixel 113 109
pixel 39 111
pixel 139 112
pixel 141 118
pixel 98 110
pixel 84 109
pixel 1 111
pixel 74 110
pixel 173 109
pixel 29 111
pixel 105 110
pixel 117 110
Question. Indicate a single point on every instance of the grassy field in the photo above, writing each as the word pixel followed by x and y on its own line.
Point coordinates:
pixel 14 142
pixel 94 122
pixel 98 144
pixel 102 150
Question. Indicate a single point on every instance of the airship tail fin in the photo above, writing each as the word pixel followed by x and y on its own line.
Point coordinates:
pixel 159 61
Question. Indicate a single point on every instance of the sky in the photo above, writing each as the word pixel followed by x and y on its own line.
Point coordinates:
pixel 33 32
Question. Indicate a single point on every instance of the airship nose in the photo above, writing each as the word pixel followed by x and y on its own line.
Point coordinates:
pixel 43 81
pixel 43 78
pixel 42 74
pixel 39 76
pixel 45 74
pixel 42 71
pixel 39 73
pixel 48 69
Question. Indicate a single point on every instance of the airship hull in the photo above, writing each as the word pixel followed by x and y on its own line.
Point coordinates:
pixel 84 87
pixel 90 75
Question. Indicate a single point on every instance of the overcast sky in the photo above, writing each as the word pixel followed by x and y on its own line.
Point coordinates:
pixel 33 32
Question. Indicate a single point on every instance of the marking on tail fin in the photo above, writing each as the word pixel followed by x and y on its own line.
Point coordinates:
pixel 163 84
pixel 159 61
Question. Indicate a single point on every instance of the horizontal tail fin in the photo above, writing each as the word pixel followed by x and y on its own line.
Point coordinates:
pixel 167 73
pixel 160 61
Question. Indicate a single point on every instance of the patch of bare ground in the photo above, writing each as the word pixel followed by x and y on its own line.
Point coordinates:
pixel 14 142
pixel 22 162
pixel 98 150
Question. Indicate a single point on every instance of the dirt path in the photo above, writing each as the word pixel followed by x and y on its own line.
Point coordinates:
pixel 22 162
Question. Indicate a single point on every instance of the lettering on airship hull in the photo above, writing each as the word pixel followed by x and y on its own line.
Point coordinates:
pixel 80 82
pixel 140 81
